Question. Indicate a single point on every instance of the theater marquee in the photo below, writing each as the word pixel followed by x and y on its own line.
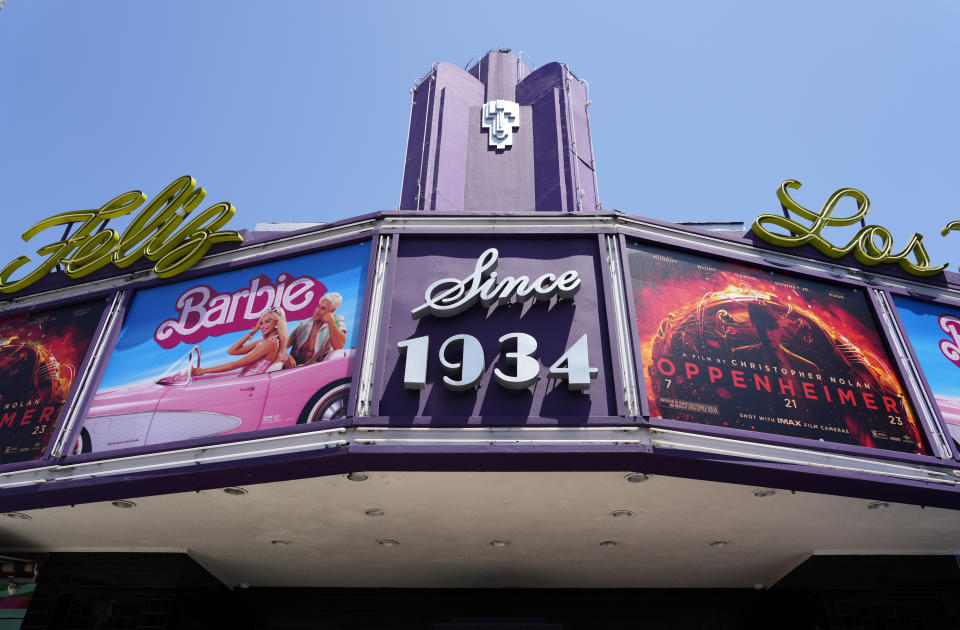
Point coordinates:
pixel 739 347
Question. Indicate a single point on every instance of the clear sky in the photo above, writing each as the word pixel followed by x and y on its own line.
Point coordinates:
pixel 298 110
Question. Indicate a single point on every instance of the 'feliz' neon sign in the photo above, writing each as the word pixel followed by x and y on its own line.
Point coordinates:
pixel 155 233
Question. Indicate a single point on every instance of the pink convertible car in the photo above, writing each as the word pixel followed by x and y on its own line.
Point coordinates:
pixel 180 407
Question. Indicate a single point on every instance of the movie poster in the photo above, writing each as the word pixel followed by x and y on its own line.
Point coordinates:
pixel 934 333
pixel 729 345
pixel 267 346
pixel 40 354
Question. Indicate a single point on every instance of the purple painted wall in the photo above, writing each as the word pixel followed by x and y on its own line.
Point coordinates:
pixel 556 325
pixel 449 165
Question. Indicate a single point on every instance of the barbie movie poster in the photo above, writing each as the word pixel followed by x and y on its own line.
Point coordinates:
pixel 40 354
pixel 267 346
pixel 934 333
pixel 733 346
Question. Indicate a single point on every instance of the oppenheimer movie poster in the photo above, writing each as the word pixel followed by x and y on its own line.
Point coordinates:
pixel 40 354
pixel 729 345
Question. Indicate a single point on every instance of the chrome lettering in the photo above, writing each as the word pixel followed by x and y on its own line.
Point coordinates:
pixel 449 296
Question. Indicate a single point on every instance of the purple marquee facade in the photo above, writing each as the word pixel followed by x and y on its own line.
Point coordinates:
pixel 536 202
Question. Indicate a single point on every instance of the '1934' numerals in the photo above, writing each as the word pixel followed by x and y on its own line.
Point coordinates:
pixel 464 373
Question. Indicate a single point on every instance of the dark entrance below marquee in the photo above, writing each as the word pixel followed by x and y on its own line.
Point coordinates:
pixel 81 591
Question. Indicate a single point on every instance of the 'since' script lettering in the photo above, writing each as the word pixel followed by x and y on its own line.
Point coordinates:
pixel 450 296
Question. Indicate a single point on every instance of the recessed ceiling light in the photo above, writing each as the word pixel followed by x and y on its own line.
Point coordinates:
pixel 123 503
pixel 878 505
pixel 358 476
pixel 499 543
pixel 374 512
pixel 608 543
pixel 281 543
pixel 20 515
pixel 237 492
pixel 621 513
pixel 637 477
pixel 720 543
pixel 386 542
pixel 764 492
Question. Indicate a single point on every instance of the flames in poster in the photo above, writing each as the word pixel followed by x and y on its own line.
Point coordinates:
pixel 733 346
pixel 40 354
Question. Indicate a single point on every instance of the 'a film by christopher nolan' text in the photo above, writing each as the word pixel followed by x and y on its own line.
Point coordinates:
pixel 40 353
pixel 728 345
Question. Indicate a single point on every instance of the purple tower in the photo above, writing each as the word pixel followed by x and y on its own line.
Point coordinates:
pixel 498 137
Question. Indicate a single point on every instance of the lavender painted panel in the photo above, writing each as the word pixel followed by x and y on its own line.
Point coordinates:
pixel 452 133
pixel 544 89
pixel 555 325
pixel 413 164
pixel 500 180
pixel 440 99
pixel 549 182
pixel 444 182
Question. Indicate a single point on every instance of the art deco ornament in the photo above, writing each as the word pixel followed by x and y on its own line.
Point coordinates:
pixel 500 118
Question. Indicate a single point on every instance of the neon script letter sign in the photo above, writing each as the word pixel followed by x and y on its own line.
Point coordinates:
pixel 872 245
pixel 153 234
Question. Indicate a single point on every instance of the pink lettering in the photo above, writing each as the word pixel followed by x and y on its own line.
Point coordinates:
pixel 950 347
pixel 202 312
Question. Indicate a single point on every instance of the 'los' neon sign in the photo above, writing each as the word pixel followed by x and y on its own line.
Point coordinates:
pixel 165 232
pixel 872 245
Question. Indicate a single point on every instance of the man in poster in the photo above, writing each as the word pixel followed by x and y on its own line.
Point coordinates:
pixel 770 350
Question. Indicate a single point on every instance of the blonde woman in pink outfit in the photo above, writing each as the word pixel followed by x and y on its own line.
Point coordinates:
pixel 256 357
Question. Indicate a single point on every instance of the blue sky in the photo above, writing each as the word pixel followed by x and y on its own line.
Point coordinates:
pixel 298 110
